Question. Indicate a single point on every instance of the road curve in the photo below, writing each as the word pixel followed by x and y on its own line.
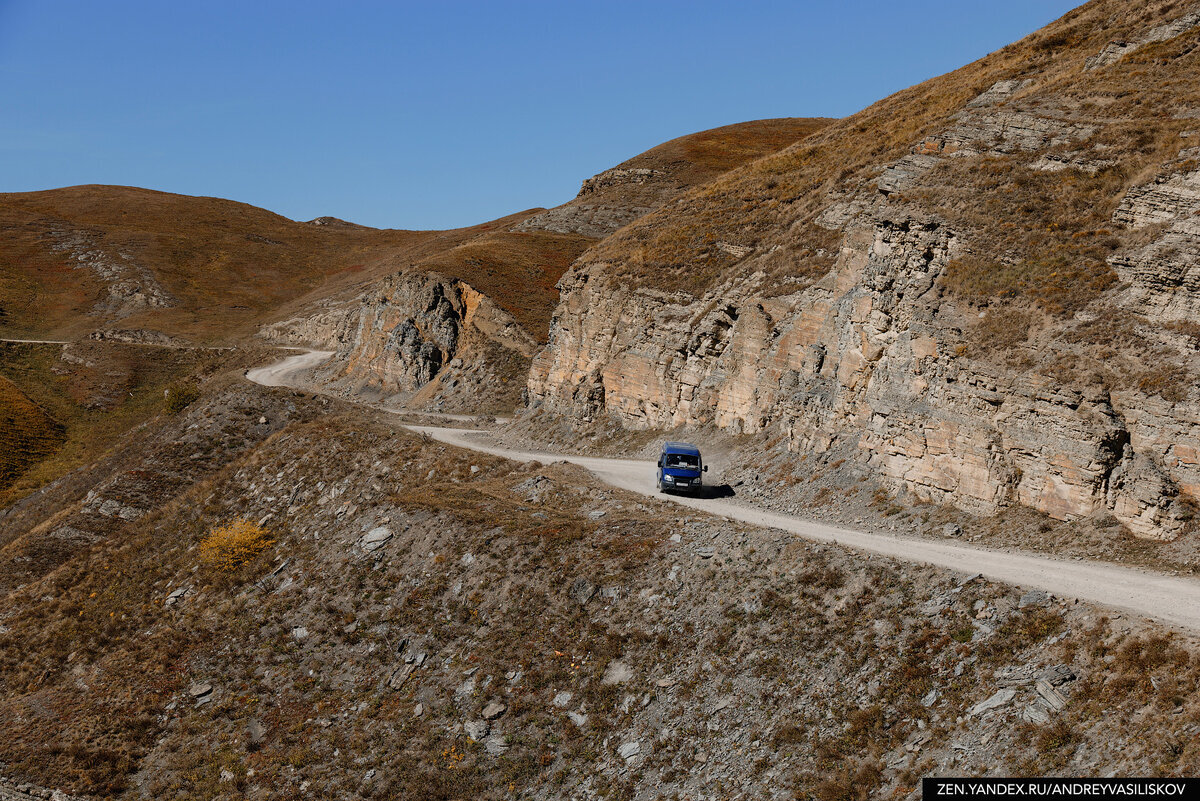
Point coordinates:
pixel 1169 599
pixel 283 373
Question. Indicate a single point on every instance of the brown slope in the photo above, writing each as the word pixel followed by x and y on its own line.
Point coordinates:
pixel 647 181
pixel 27 433
pixel 779 199
pixel 80 258
pixel 109 623
pixel 411 329
pixel 517 270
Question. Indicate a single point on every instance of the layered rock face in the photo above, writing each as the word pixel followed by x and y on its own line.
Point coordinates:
pixel 1164 274
pixel 405 332
pixel 440 343
pixel 878 353
pixel 869 355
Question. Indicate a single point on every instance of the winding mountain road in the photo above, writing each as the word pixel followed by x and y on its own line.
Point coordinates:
pixel 283 373
pixel 1170 599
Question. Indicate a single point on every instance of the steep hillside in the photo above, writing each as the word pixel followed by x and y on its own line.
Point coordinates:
pixel 983 285
pixel 646 182
pixel 455 331
pixel 88 257
pixel 70 404
pixel 27 433
pixel 416 621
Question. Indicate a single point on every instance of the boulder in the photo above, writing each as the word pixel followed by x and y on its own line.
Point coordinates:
pixel 998 699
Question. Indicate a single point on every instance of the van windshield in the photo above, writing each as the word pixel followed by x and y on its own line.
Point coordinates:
pixel 684 460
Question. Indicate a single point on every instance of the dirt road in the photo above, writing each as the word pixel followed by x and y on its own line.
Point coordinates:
pixel 283 374
pixel 36 341
pixel 1170 599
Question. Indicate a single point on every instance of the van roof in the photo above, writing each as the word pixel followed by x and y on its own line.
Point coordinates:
pixel 681 447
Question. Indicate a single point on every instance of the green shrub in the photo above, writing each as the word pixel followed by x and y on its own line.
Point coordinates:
pixel 179 396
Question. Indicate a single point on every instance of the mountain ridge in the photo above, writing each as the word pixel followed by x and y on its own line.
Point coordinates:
pixel 964 284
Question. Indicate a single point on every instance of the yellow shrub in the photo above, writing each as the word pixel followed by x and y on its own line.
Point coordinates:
pixel 232 545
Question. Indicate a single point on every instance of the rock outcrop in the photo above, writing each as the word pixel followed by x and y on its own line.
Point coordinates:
pixel 879 352
pixel 1116 50
pixel 1165 273
pixel 129 286
pixel 868 355
pixel 410 329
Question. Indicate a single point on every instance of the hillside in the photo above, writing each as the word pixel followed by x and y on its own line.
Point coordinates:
pixel 65 406
pixel 134 277
pixel 455 331
pixel 981 287
pixel 27 433
pixel 646 182
pixel 969 313
pixel 83 258
pixel 419 621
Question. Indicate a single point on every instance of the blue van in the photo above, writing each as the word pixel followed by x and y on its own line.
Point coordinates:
pixel 680 467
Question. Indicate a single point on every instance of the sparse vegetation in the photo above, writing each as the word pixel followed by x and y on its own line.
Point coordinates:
pixel 478 578
pixel 151 645
pixel 27 433
pixel 179 396
pixel 230 546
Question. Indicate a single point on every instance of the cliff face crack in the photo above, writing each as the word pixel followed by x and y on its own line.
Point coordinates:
pixel 1113 449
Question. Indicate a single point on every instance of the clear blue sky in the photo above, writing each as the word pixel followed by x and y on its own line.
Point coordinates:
pixel 437 114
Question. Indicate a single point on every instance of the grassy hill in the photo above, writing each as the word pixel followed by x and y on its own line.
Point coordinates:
pixel 700 157
pixel 80 258
pixel 27 433
pixel 633 188
pixel 83 257
pixel 1124 119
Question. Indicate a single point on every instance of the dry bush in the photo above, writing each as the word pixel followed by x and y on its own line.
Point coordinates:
pixel 1168 381
pixel 234 544
pixel 180 396
pixel 853 781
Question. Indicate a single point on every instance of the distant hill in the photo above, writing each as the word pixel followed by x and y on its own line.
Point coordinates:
pixel 456 329
pixel 76 259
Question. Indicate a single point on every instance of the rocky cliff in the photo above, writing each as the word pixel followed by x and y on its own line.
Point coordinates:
pixel 1008 318
pixel 455 330
pixel 413 327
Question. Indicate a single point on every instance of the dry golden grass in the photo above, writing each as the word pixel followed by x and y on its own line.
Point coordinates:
pixel 228 264
pixel 27 433
pixel 107 390
pixel 230 546
pixel 518 271
pixel 700 157
pixel 777 198
pixel 232 266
